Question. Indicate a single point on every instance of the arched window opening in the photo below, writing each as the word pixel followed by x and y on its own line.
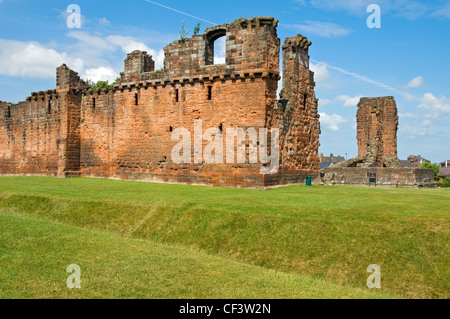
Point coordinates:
pixel 216 47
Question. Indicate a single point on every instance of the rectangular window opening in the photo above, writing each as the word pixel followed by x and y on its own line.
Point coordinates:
pixel 209 93
pixel 8 112
pixel 93 103
pixel 177 96
pixel 136 99
pixel 49 107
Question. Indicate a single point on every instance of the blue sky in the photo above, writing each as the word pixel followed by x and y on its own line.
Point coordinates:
pixel 406 58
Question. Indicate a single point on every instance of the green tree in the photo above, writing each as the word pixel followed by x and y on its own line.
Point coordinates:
pixel 101 84
pixel 117 80
pixel 434 167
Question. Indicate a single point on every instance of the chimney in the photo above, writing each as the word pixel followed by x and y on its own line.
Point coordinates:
pixel 446 163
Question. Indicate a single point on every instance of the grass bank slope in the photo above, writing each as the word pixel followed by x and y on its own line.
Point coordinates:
pixel 35 255
pixel 327 233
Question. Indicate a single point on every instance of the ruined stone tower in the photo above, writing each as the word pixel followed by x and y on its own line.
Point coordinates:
pixel 377 125
pixel 377 163
pixel 126 131
pixel 298 106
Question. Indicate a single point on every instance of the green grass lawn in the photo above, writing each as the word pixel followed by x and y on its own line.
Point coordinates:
pixel 175 241
pixel 35 255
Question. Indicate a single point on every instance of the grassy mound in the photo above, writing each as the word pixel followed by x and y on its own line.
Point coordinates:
pixel 327 233
pixel 36 254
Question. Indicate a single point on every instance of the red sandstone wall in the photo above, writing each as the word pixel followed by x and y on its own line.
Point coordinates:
pixel 120 139
pixel 70 137
pixel 29 138
pixel 377 127
pixel 297 111
pixel 107 134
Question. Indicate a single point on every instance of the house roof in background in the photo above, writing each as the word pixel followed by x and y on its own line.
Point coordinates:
pixel 444 172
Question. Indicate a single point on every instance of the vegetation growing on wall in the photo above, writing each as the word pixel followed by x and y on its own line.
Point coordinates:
pixel 101 84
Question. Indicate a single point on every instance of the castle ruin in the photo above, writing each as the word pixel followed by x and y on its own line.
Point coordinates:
pixel 377 125
pixel 125 132
pixel 377 161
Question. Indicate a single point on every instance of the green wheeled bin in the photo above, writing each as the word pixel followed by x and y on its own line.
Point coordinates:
pixel 308 181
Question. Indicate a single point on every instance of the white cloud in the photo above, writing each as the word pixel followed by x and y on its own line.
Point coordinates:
pixel 324 68
pixel 321 73
pixel 411 9
pixel 415 83
pixel 409 97
pixel 220 51
pixel 322 76
pixel 129 44
pixel 407 115
pixel 443 12
pixel 94 49
pixel 100 74
pixel 32 59
pixel 324 102
pixel 321 29
pixel 348 101
pixel 158 57
pixel 356 76
pixel 104 21
pixel 426 123
pixel 434 106
pixel 349 5
pixel 92 41
pixel 90 56
pixel 331 122
pixel 412 131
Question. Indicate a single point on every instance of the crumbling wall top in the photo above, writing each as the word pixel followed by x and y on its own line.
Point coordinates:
pixel 136 63
pixel 256 22
pixel 250 44
pixel 68 79
pixel 298 41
